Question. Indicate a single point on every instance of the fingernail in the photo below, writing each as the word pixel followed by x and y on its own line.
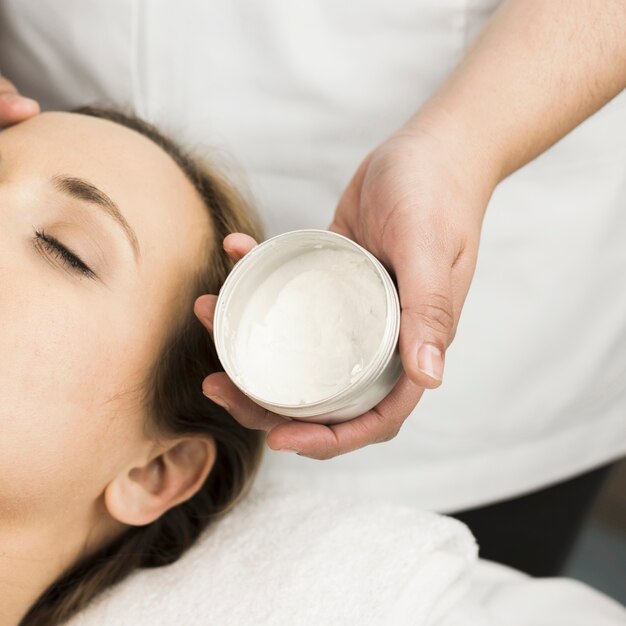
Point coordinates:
pixel 430 360
pixel 285 449
pixel 218 400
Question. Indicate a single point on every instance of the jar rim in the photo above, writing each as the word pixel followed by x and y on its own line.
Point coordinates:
pixel 381 357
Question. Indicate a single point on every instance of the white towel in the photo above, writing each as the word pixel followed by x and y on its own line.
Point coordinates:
pixel 299 558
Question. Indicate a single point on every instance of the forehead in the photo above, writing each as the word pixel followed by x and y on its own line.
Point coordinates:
pixel 85 143
pixel 110 155
pixel 151 190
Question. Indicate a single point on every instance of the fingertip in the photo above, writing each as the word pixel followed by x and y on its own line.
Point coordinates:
pixel 308 439
pixel 27 107
pixel 204 308
pixel 283 447
pixel 428 382
pixel 237 245
pixel 422 378
pixel 16 108
pixel 205 301
pixel 424 366
pixel 213 385
pixel 281 438
pixel 430 359
pixel 228 240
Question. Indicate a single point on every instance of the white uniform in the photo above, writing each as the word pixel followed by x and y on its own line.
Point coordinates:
pixel 535 384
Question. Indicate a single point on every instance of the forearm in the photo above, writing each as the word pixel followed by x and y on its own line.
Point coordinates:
pixel 538 69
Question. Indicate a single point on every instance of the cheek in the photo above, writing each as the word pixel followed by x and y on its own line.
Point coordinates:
pixel 66 425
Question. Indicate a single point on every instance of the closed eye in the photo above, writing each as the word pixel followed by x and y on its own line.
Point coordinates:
pixel 67 257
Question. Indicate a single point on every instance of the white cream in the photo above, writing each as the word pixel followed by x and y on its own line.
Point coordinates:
pixel 310 327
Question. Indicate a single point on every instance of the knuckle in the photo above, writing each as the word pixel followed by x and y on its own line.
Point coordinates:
pixel 436 313
pixel 327 448
pixel 388 428
pixel 389 434
pixel 364 431
pixel 327 451
pixel 384 437
pixel 253 420
pixel 453 333
pixel 247 420
pixel 325 456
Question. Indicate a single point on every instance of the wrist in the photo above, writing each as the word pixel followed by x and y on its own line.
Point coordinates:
pixel 479 161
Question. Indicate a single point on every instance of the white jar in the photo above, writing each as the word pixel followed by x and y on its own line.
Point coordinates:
pixel 307 326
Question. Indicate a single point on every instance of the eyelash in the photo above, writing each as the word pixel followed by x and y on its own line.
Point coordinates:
pixel 67 257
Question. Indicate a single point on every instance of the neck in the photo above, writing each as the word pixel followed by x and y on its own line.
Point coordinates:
pixel 35 552
pixel 30 560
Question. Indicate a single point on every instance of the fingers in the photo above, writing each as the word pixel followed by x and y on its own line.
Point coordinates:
pixel 317 441
pixel 237 245
pixel 218 387
pixel 14 107
pixel 429 318
pixel 322 442
pixel 204 308
pixel 221 390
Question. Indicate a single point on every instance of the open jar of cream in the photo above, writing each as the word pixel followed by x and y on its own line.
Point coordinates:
pixel 307 326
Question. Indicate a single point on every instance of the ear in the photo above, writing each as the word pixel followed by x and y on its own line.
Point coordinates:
pixel 143 493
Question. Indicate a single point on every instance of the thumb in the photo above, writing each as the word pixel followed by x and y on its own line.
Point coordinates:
pixel 428 320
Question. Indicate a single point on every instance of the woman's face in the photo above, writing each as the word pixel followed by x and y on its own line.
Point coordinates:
pixel 74 347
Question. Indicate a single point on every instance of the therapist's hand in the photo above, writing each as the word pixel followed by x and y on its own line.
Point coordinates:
pixel 417 204
pixel 418 200
pixel 14 107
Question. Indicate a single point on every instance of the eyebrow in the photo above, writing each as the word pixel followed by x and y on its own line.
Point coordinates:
pixel 84 190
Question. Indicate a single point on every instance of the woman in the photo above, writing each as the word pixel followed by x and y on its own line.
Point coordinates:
pixel 110 456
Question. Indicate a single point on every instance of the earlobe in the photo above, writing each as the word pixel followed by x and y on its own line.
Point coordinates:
pixel 141 494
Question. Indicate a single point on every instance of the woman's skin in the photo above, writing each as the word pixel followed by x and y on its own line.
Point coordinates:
pixel 76 466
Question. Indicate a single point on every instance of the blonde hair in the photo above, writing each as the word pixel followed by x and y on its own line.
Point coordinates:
pixel 174 400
